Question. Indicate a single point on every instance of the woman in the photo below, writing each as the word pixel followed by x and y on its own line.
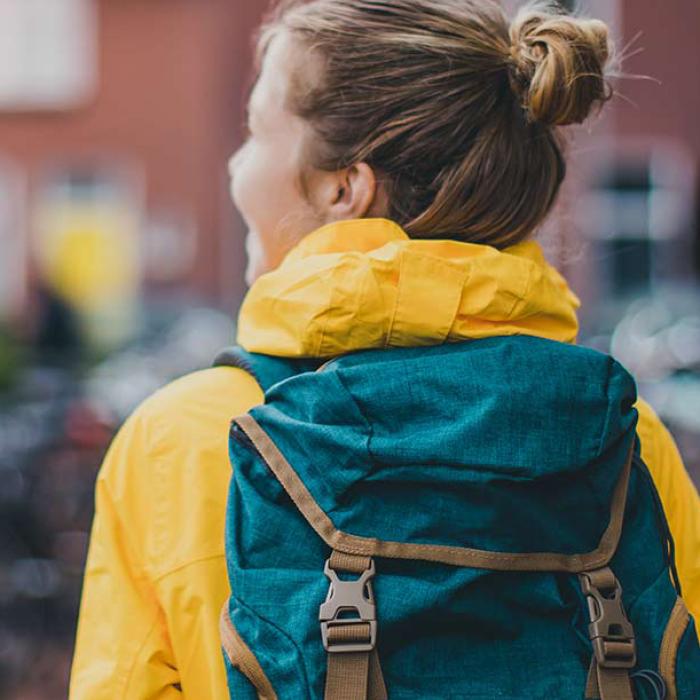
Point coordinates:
pixel 401 155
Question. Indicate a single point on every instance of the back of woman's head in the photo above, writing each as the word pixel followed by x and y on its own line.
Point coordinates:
pixel 456 108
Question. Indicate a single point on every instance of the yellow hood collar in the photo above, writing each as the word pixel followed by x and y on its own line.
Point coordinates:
pixel 363 283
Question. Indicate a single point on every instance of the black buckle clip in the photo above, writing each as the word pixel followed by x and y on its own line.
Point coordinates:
pixel 611 632
pixel 349 597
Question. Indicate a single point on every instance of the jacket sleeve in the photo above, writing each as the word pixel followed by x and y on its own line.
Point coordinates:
pixel 679 498
pixel 122 647
pixel 196 594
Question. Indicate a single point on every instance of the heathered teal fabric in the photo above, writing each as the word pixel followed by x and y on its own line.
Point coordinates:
pixel 505 444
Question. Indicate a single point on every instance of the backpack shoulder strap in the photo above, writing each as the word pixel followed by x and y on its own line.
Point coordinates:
pixel 267 370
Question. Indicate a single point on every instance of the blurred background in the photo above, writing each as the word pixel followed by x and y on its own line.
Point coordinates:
pixel 122 258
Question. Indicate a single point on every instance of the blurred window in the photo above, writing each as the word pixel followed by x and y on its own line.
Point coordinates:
pixel 48 56
pixel 640 213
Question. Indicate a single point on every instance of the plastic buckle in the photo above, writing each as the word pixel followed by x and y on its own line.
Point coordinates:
pixel 348 597
pixel 611 632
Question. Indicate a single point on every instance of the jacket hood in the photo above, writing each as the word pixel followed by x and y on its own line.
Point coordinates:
pixel 363 283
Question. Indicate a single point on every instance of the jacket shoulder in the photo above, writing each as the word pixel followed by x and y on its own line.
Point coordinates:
pixel 167 470
pixel 213 387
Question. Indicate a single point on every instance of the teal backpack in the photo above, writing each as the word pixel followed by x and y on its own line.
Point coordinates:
pixel 468 520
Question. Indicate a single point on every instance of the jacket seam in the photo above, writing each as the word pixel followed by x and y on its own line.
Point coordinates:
pixel 137 560
pixel 397 299
pixel 524 295
pixel 157 454
pixel 467 270
pixel 322 330
pixel 178 567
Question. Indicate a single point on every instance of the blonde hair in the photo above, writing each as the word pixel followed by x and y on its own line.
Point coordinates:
pixel 456 108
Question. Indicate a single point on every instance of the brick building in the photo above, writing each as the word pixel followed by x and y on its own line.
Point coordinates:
pixel 171 78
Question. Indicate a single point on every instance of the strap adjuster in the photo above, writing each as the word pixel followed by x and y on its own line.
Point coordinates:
pixel 349 634
pixel 611 632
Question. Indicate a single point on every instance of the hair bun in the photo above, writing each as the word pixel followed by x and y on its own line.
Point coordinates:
pixel 558 65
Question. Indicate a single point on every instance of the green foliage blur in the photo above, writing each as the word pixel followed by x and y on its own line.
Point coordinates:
pixel 10 359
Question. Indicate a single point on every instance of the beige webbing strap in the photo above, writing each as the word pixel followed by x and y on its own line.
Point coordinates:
pixel 354 671
pixel 592 692
pixel 347 677
pixel 614 683
pixel 377 687
pixel 608 683
pixel 351 563
pixel 355 676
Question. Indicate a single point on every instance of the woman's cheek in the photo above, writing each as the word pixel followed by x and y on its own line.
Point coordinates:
pixel 245 183
pixel 238 192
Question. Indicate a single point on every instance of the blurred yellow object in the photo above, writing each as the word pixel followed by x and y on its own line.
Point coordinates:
pixel 91 265
pixel 156 579
pixel 88 254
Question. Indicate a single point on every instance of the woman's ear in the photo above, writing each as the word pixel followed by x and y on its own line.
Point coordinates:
pixel 351 192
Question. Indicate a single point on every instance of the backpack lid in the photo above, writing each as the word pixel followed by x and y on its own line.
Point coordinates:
pixel 502 453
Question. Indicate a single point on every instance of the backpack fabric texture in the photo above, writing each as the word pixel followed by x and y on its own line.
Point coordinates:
pixel 509 446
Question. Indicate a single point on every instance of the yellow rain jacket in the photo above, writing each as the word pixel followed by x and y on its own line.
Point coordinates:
pixel 155 579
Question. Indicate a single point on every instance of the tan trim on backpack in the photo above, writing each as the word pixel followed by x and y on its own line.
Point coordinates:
pixel 242 658
pixel 675 629
pixel 457 556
